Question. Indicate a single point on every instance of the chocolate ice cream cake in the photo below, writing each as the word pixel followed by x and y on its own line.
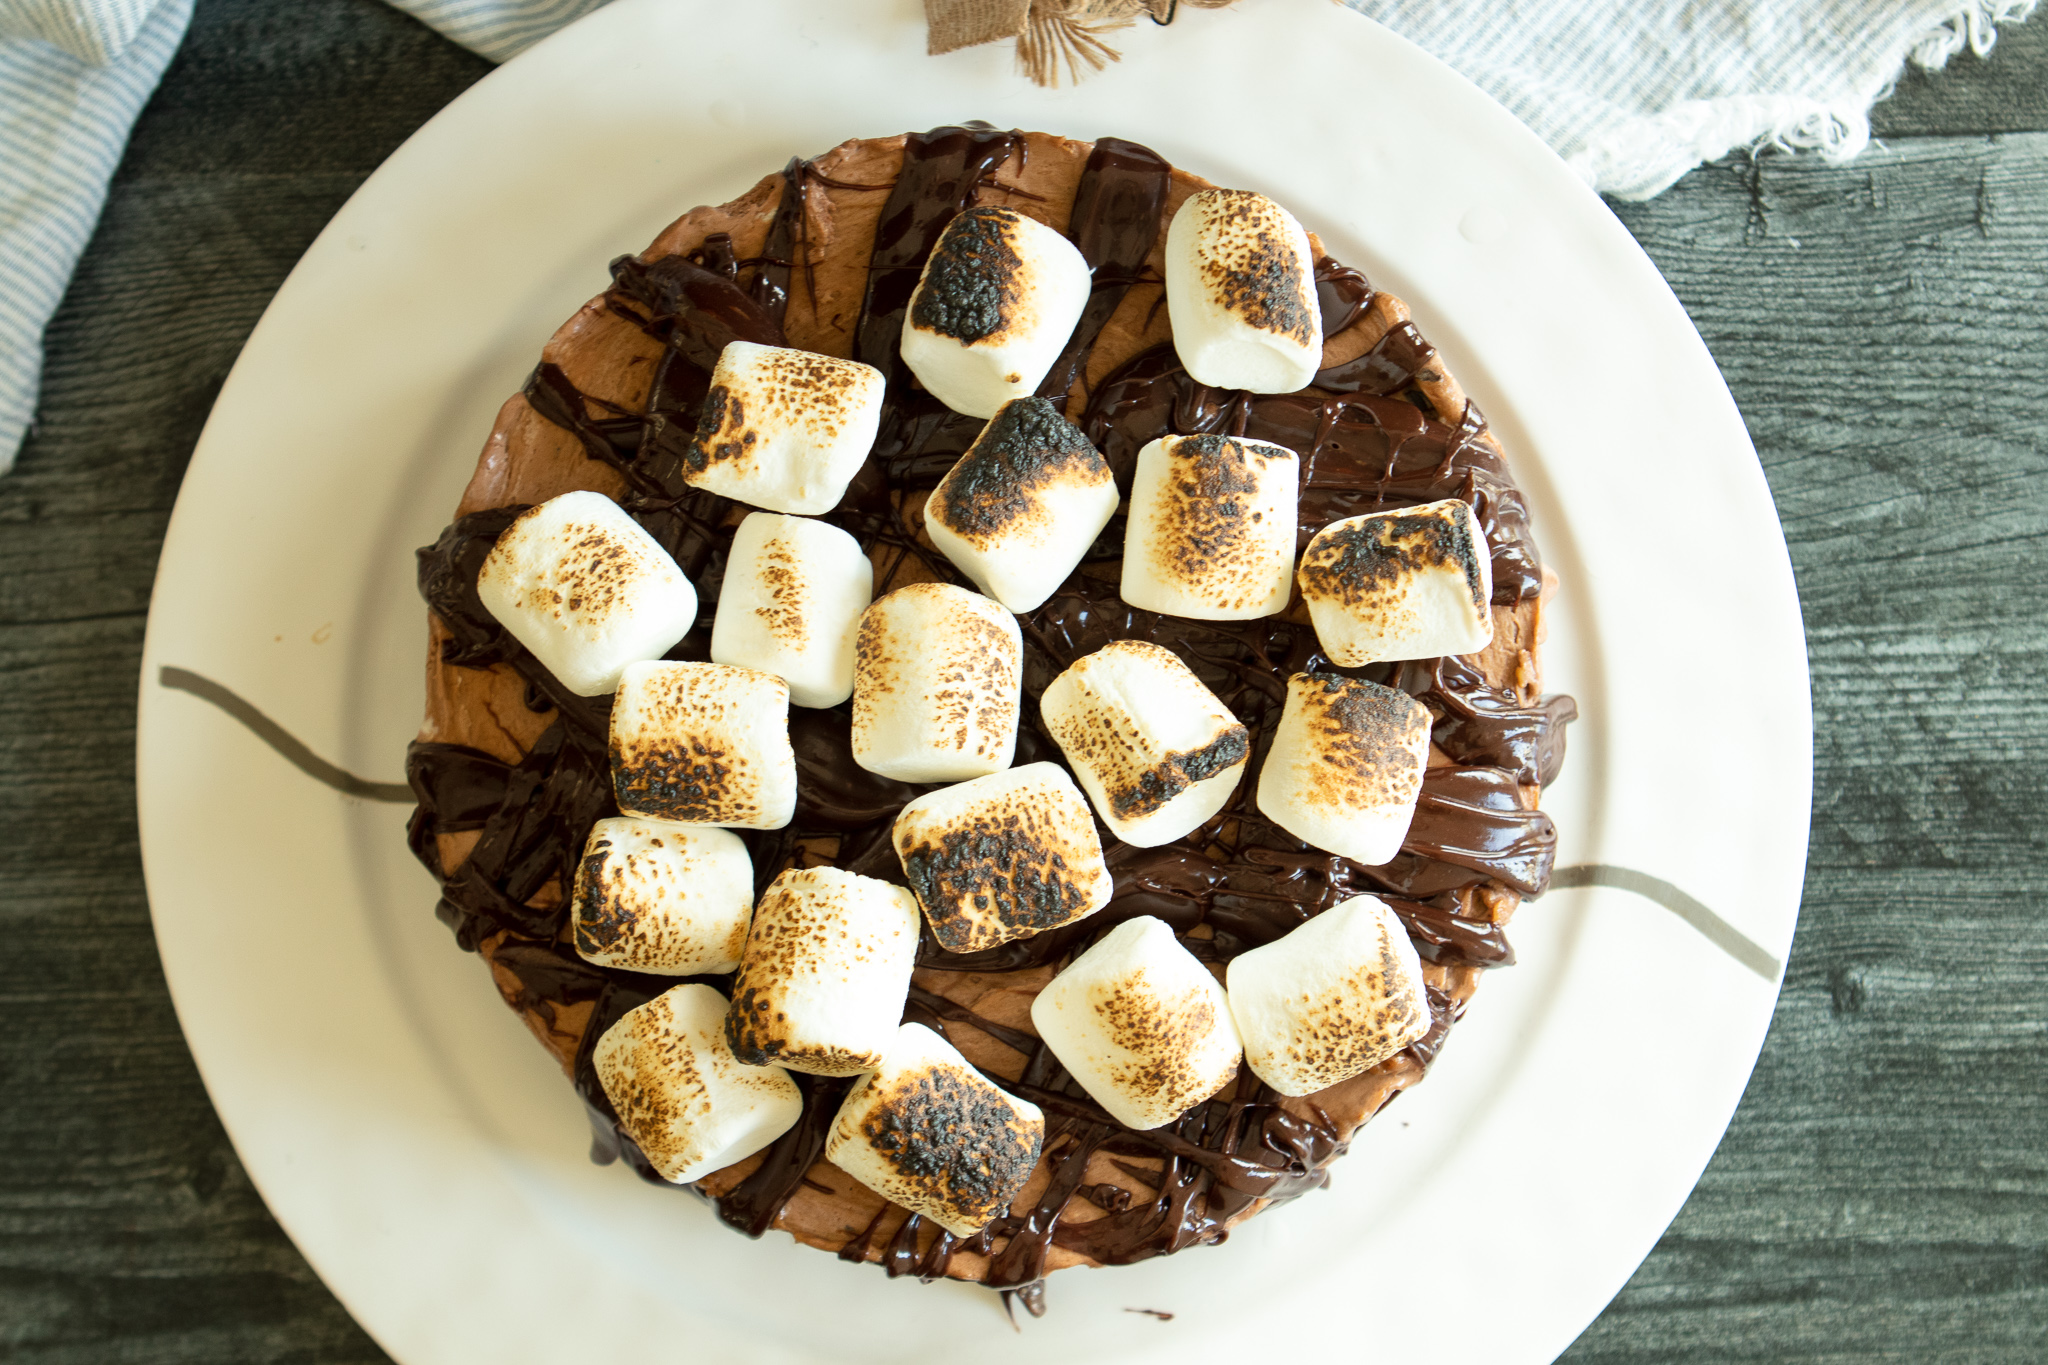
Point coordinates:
pixel 968 792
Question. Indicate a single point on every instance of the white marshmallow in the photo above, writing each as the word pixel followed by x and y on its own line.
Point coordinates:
pixel 998 299
pixel 703 744
pixel 929 1132
pixel 1241 293
pixel 1141 1024
pixel 784 429
pixel 1211 531
pixel 1023 505
pixel 1346 766
pixel 1002 857
pixel 1414 583
pixel 1335 997
pixel 1155 750
pixel 684 1099
pixel 651 896
pixel 937 673
pixel 793 593
pixel 579 583
pixel 825 974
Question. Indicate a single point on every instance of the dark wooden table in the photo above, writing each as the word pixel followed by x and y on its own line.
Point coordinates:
pixel 1882 1194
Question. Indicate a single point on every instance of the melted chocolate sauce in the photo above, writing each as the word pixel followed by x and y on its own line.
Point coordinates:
pixel 1368 438
pixel 1342 293
pixel 1118 203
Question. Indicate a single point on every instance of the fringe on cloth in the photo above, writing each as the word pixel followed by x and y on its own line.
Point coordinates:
pixel 1051 35
pixel 1647 156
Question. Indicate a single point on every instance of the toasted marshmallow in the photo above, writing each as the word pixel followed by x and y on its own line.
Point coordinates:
pixel 937 672
pixel 1211 534
pixel 825 974
pixel 1023 504
pixel 1335 997
pixel 1002 857
pixel 651 896
pixel 1409 584
pixel 929 1132
pixel 1241 293
pixel 1346 766
pixel 580 584
pixel 684 1099
pixel 784 429
pixel 793 593
pixel 703 744
pixel 1141 1024
pixel 1155 750
pixel 997 301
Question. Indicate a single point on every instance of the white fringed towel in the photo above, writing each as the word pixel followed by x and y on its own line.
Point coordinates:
pixel 1635 93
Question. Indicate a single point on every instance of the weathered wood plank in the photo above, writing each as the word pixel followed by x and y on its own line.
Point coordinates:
pixel 180 270
pixel 128 1231
pixel 1883 1192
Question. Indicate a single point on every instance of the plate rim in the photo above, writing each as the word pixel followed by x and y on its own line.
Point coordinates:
pixel 151 729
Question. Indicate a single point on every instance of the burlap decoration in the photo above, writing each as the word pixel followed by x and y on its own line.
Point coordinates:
pixel 1050 34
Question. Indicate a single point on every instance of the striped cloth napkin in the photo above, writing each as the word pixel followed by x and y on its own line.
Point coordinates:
pixel 1632 93
pixel 73 76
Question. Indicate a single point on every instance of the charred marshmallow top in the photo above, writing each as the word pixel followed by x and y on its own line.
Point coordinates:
pixel 1416 583
pixel 1002 857
pixel 791 601
pixel 929 1132
pixel 688 1104
pixel 579 583
pixel 1155 750
pixel 1211 529
pixel 1346 766
pixel 703 744
pixel 937 674
pixel 670 899
pixel 1330 1000
pixel 783 429
pixel 1023 505
pixel 1141 1024
pixel 997 301
pixel 825 974
pixel 1241 292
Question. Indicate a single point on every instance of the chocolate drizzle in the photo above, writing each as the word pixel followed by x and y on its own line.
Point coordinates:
pixel 1362 449
pixel 1368 437
pixel 1342 293
pixel 1114 222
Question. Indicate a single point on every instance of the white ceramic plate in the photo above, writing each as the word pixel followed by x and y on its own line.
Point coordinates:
pixel 424 1153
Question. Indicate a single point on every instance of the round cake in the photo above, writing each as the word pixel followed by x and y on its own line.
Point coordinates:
pixel 512 767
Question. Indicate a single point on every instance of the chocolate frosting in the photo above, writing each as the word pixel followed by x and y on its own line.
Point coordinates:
pixel 1368 437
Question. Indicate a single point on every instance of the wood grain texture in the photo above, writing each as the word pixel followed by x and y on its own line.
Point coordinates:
pixel 128 1230
pixel 1881 1194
